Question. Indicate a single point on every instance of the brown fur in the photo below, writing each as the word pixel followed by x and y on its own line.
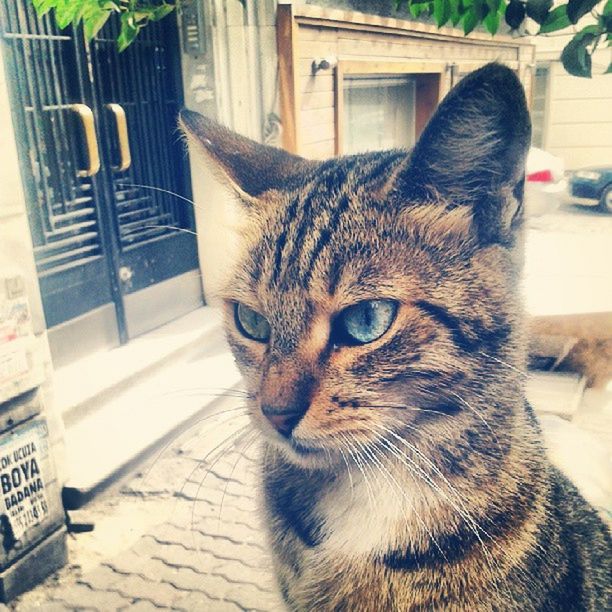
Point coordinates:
pixel 415 477
pixel 593 359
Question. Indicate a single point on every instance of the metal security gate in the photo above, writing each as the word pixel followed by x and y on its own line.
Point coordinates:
pixel 99 153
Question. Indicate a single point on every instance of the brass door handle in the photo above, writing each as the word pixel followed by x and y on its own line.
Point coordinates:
pixel 125 158
pixel 91 140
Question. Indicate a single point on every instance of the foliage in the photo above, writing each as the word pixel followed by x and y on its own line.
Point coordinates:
pixel 468 14
pixel 93 14
pixel 576 56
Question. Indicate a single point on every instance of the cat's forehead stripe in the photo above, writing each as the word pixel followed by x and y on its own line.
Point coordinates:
pixel 303 218
pixel 310 221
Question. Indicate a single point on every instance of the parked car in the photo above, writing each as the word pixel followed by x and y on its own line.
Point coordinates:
pixel 545 182
pixel 592 187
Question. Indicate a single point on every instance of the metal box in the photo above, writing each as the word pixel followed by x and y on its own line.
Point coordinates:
pixel 32 532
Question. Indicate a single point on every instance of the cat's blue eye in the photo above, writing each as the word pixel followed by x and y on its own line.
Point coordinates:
pixel 251 324
pixel 365 322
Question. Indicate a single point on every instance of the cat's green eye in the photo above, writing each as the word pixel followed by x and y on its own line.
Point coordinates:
pixel 251 324
pixel 364 322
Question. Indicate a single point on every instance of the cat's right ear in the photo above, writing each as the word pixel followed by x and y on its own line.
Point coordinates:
pixel 250 169
pixel 473 152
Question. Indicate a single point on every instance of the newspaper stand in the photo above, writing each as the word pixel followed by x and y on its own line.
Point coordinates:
pixel 32 532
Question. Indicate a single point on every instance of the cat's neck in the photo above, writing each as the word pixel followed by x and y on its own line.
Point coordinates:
pixel 370 503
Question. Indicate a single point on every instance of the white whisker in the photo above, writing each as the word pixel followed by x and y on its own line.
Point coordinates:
pixel 502 362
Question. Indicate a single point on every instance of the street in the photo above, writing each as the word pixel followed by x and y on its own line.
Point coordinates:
pixel 567 262
pixel 574 219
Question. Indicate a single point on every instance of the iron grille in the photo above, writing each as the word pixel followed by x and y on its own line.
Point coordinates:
pixel 47 73
pixel 141 80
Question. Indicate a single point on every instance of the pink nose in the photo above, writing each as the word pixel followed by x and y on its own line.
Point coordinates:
pixel 284 421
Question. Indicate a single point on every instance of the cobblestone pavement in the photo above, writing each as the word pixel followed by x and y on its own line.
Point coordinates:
pixel 184 534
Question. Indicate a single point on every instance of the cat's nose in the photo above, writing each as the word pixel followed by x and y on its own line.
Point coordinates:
pixel 284 420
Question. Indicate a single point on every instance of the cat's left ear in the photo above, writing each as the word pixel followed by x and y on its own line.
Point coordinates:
pixel 473 152
pixel 250 169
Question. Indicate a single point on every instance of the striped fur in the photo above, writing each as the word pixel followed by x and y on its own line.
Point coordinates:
pixel 416 478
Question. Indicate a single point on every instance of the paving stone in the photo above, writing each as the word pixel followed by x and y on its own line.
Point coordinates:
pixel 143 606
pixel 55 606
pixel 130 562
pixel 206 561
pixel 200 535
pixel 236 530
pixel 52 606
pixel 79 596
pixel 146 547
pixel 246 586
pixel 229 511
pixel 214 496
pixel 216 586
pixel 162 594
pixel 196 602
pixel 102 578
pixel 225 545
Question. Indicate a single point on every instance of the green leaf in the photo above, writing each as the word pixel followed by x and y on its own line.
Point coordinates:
pixel 66 12
pixel 129 31
pixel 538 9
pixel 142 14
pixel 42 7
pixel 77 17
pixel 455 14
pixel 480 10
pixel 94 18
pixel 441 12
pixel 417 8
pixel 515 13
pixel 578 8
pixel 575 56
pixel 470 21
pixel 605 19
pixel 557 20
pixel 491 22
pixel 609 70
pixel 161 11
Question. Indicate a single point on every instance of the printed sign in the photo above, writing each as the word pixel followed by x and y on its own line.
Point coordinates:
pixel 22 483
pixel 13 359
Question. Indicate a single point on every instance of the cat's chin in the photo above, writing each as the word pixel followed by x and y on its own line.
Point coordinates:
pixel 302 453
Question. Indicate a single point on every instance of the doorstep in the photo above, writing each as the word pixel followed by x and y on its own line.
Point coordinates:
pixel 82 385
pixel 123 405
pixel 557 393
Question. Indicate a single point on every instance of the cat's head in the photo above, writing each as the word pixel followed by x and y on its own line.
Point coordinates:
pixel 375 295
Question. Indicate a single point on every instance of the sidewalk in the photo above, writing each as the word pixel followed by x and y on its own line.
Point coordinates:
pixel 181 535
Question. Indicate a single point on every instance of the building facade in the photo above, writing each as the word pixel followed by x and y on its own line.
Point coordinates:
pixel 572 116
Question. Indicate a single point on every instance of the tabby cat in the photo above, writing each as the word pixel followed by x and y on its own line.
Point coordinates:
pixel 373 310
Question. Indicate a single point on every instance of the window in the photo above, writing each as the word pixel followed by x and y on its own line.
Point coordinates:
pixel 538 109
pixel 379 112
